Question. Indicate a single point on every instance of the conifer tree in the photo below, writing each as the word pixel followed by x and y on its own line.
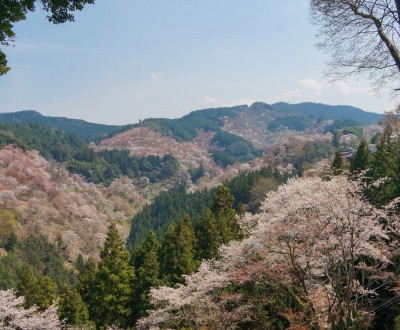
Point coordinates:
pixel 115 278
pixel 71 307
pixel 179 251
pixel 337 164
pixel 87 284
pixel 208 236
pixel 385 165
pixel 225 215
pixel 38 290
pixel 148 270
pixel 361 159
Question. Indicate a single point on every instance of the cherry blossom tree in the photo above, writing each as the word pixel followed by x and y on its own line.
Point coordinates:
pixel 318 236
pixel 14 316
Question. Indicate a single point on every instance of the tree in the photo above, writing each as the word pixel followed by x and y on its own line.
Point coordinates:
pixel 361 159
pixel 114 281
pixel 71 307
pixel 337 164
pixel 38 290
pixel 225 215
pixel 178 251
pixel 319 239
pixel 148 271
pixel 208 236
pixel 14 316
pixel 361 36
pixel 15 11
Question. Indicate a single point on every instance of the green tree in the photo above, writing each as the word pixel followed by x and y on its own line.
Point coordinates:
pixel 361 159
pixel 15 11
pixel 225 215
pixel 385 164
pixel 179 251
pixel 87 285
pixel 337 164
pixel 71 307
pixel 38 290
pixel 208 236
pixel 115 279
pixel 148 271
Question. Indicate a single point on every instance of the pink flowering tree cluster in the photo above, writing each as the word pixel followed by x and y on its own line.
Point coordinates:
pixel 14 316
pixel 318 238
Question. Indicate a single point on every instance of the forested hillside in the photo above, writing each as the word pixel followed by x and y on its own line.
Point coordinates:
pixel 97 226
pixel 85 130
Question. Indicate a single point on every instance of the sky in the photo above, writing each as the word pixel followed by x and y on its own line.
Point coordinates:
pixel 125 60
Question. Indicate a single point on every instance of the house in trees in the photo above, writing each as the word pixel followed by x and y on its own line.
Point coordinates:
pixel 347 152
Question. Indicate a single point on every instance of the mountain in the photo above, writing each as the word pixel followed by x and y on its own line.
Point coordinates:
pixel 85 130
pixel 329 111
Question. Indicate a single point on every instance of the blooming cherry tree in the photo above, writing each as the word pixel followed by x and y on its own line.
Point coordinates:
pixel 14 316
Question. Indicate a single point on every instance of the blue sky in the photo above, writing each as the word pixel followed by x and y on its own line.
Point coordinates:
pixel 125 60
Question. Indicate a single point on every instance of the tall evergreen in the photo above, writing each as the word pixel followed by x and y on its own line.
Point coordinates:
pixel 38 290
pixel 361 159
pixel 385 165
pixel 337 164
pixel 148 270
pixel 178 251
pixel 115 279
pixel 208 236
pixel 87 285
pixel 71 307
pixel 225 215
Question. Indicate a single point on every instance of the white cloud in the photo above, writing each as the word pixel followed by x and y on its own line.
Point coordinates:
pixel 211 102
pixel 352 92
pixel 156 75
pixel 312 85
pixel 313 90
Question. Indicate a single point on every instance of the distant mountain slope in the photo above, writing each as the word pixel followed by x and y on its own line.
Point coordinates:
pixel 329 111
pixel 87 131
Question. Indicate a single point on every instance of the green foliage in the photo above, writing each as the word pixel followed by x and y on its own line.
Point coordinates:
pixel 314 151
pixel 37 254
pixel 329 112
pixel 8 225
pixel 71 307
pixel 346 126
pixel 208 236
pixel 87 285
pixel 298 123
pixel 51 143
pixel 43 256
pixel 114 281
pixel 385 164
pixel 178 251
pixel 168 207
pixel 37 289
pixel 185 128
pixel 196 174
pixel 10 266
pixel 250 188
pixel 225 216
pixel 227 148
pixel 337 164
pixel 148 272
pixel 361 159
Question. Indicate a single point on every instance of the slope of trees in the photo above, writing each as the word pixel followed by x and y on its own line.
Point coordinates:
pixel 89 132
pixel 321 254
pixel 169 206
